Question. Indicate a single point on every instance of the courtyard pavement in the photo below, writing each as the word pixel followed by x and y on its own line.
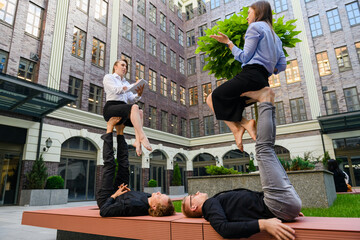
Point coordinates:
pixel 10 221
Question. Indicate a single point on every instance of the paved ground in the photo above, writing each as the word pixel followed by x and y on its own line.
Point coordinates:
pixel 11 228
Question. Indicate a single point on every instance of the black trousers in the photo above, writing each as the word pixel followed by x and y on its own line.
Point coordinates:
pixel 109 183
pixel 227 103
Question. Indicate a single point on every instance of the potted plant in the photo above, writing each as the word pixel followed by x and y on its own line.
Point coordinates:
pixel 58 194
pixel 152 187
pixel 176 188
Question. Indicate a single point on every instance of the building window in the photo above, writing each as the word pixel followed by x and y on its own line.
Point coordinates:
pixel 98 53
pixel 127 28
pixel 3 61
pixel 292 72
pixel 181 37
pixel 280 5
pixel 139 71
pixel 140 37
pixel 315 26
pixel 206 89
pixel 223 128
pixel 75 88
pixel 129 2
pixel 334 20
pixel 152 80
pixel 202 30
pixel 229 15
pixel 331 103
pixel 183 127
pixel 128 59
pixel 214 4
pixel 174 125
pixel 82 5
pixel 208 125
pixel 219 82
pixel 190 38
pixel 101 11
pixel 7 12
pixel 172 59
pixel 343 59
pixel 280 113
pixel 182 96
pixel 172 5
pixel 298 110
pixel 152 117
pixel 141 7
pixel 26 69
pixel 203 62
pixel 162 52
pixel 34 19
pixel 201 7
pixel 352 99
pixel 227 1
pixel 189 12
pixel 79 42
pixel 162 22
pixel 172 30
pixel 274 80
pixel 163 85
pixel 357 46
pixel 179 10
pixel 152 13
pixel 214 22
pixel 95 99
pixel 323 63
pixel 181 65
pixel 164 121
pixel 173 91
pixel 191 65
pixel 193 95
pixel 194 127
pixel 353 13
pixel 152 45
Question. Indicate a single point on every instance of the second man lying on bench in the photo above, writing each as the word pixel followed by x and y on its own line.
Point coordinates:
pixel 114 197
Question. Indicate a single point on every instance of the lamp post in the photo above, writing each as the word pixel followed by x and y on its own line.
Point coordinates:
pixel 48 144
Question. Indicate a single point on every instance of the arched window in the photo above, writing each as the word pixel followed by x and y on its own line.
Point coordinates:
pixel 200 161
pixel 181 161
pixel 157 168
pixel 135 169
pixel 282 153
pixel 237 160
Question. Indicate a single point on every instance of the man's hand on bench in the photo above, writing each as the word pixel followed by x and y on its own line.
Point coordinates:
pixel 276 228
pixel 122 189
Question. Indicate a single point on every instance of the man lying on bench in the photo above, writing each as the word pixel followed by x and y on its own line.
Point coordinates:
pixel 241 212
pixel 114 197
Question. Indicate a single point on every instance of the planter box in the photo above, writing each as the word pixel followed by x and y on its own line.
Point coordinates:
pixel 316 188
pixel 152 189
pixel 177 190
pixel 41 197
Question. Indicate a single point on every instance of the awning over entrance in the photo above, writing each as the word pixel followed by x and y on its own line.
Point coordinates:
pixel 30 99
pixel 340 122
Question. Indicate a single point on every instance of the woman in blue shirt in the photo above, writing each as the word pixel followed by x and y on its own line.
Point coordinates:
pixel 261 57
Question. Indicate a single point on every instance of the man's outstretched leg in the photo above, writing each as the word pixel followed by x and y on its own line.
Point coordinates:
pixel 122 176
pixel 108 169
pixel 279 194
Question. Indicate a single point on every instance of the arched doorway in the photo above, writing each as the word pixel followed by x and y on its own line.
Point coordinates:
pixel 78 168
pixel 282 153
pixel 157 168
pixel 134 169
pixel 181 161
pixel 199 163
pixel 237 160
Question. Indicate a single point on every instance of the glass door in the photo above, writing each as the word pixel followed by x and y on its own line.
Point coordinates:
pixel 9 174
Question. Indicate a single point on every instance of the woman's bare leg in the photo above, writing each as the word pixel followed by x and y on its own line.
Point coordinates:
pixel 137 143
pixel 136 120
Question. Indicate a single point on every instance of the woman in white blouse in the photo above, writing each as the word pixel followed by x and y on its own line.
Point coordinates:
pixel 120 103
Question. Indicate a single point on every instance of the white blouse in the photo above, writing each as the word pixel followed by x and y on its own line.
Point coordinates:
pixel 114 89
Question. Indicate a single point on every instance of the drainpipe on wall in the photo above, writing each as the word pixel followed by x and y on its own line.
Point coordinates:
pixel 39 138
pixel 322 140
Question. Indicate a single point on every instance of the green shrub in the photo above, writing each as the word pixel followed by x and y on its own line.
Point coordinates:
pixel 37 176
pixel 325 159
pixel 176 181
pixel 252 167
pixel 215 170
pixel 221 62
pixel 54 182
pixel 285 164
pixel 152 183
pixel 299 163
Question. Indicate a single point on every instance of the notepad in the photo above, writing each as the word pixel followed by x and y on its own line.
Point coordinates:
pixel 132 88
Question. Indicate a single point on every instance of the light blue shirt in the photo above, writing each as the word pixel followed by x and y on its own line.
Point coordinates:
pixel 114 89
pixel 261 48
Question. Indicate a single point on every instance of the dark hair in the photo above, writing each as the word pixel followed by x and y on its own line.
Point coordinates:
pixel 333 166
pixel 119 60
pixel 262 12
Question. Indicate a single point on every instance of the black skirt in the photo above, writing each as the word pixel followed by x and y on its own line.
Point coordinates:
pixel 227 103
pixel 118 109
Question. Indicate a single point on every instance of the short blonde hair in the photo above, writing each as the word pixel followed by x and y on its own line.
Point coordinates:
pixel 187 211
pixel 162 210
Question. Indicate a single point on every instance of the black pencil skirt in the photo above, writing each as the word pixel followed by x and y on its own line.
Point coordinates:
pixel 227 103
pixel 118 109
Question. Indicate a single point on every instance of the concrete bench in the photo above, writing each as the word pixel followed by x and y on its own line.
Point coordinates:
pixel 86 223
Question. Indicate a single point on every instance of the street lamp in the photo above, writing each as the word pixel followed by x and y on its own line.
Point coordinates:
pixel 251 156
pixel 48 144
